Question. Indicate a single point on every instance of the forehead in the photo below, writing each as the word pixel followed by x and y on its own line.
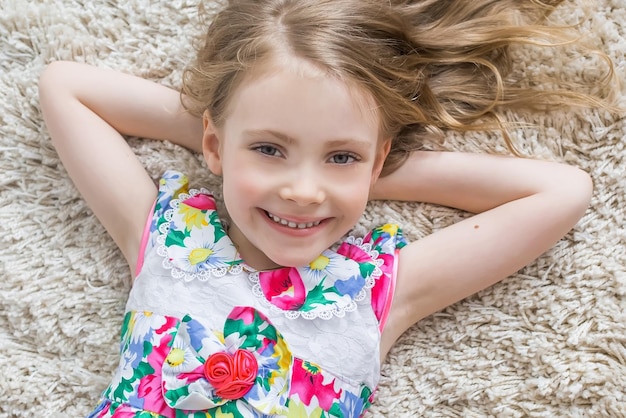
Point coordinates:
pixel 299 95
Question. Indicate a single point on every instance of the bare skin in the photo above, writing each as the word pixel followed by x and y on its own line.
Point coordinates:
pixel 522 206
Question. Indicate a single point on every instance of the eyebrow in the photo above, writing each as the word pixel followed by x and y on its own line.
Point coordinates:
pixel 289 140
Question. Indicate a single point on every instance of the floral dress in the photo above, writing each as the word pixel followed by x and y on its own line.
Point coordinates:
pixel 205 335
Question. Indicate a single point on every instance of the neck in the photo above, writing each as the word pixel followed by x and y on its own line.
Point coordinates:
pixel 251 255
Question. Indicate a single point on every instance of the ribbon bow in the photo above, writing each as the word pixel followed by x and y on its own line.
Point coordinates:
pixel 250 362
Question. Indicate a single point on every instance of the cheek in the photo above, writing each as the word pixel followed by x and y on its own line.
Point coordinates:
pixel 353 195
pixel 237 186
pixel 241 186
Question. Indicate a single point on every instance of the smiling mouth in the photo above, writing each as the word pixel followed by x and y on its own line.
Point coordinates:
pixel 292 224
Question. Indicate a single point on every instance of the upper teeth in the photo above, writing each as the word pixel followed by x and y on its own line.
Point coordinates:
pixel 292 224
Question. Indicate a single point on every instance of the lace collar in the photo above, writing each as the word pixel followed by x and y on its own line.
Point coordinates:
pixel 195 246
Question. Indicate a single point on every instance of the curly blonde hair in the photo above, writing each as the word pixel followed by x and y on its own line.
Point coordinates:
pixel 430 65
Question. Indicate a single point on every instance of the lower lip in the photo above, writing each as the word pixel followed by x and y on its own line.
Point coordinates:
pixel 296 232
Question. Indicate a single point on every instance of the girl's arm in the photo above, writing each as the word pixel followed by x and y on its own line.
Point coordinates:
pixel 87 110
pixel 523 208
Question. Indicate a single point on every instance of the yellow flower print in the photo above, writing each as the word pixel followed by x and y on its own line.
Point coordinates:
pixel 221 414
pixel 180 357
pixel 176 357
pixel 171 185
pixel 281 351
pixel 320 263
pixel 329 264
pixel 199 255
pixel 391 229
pixel 193 218
pixel 299 410
pixel 142 323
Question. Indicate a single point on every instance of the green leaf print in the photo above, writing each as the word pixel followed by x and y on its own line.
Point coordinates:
pixel 214 220
pixel 366 393
pixel 251 332
pixel 335 410
pixel 144 414
pixel 147 348
pixel 366 269
pixel 126 385
pixel 175 237
pixel 188 414
pixel 175 394
pixel 317 297
pixel 263 382
pixel 125 334
pixel 228 408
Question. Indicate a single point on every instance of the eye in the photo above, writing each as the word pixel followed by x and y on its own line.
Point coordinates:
pixel 267 149
pixel 345 158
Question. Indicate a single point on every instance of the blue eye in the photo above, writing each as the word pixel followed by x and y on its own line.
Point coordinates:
pixel 343 158
pixel 267 150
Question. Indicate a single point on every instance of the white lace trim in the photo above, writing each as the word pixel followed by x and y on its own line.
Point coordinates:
pixel 164 229
pixel 337 309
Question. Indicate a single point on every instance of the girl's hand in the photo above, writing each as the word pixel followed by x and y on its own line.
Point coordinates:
pixel 523 208
pixel 87 110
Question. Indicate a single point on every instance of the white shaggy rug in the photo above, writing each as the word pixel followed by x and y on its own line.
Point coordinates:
pixel 549 341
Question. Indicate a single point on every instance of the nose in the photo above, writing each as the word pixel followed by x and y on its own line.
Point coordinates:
pixel 303 188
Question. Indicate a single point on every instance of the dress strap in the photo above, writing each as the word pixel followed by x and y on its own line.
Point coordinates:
pixel 171 184
pixel 386 240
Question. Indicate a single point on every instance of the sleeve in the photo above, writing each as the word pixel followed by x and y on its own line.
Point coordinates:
pixel 171 185
pixel 386 240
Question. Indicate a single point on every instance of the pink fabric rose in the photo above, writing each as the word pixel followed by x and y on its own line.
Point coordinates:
pixel 232 376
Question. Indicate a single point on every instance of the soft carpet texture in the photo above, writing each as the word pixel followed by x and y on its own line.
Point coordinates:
pixel 548 341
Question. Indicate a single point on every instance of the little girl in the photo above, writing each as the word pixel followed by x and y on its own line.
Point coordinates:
pixel 307 110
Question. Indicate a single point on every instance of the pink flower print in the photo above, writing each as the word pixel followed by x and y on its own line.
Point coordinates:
pixel 201 201
pixel 353 252
pixel 307 381
pixel 151 392
pixel 243 313
pixel 283 288
pixel 388 262
pixel 380 293
pixel 150 386
pixel 124 413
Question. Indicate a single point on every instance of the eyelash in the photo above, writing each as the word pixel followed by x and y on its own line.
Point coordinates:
pixel 271 151
pixel 354 158
pixel 266 147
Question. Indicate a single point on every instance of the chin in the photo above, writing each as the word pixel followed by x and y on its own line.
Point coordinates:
pixel 299 261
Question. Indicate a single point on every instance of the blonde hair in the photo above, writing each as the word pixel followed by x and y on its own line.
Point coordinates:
pixel 430 65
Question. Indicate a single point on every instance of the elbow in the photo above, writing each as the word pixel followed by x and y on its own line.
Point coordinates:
pixel 578 191
pixel 56 95
pixel 52 81
pixel 585 188
pixel 48 86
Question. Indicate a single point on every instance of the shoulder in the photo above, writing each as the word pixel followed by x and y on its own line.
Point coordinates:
pixel 378 247
pixel 182 220
pixel 377 254
pixel 386 238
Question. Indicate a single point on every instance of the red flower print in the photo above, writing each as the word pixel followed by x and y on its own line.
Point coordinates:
pixel 201 201
pixel 232 376
pixel 283 288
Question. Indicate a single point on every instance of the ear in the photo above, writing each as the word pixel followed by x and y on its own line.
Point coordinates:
pixel 381 156
pixel 211 148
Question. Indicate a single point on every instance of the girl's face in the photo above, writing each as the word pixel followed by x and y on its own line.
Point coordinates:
pixel 298 153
